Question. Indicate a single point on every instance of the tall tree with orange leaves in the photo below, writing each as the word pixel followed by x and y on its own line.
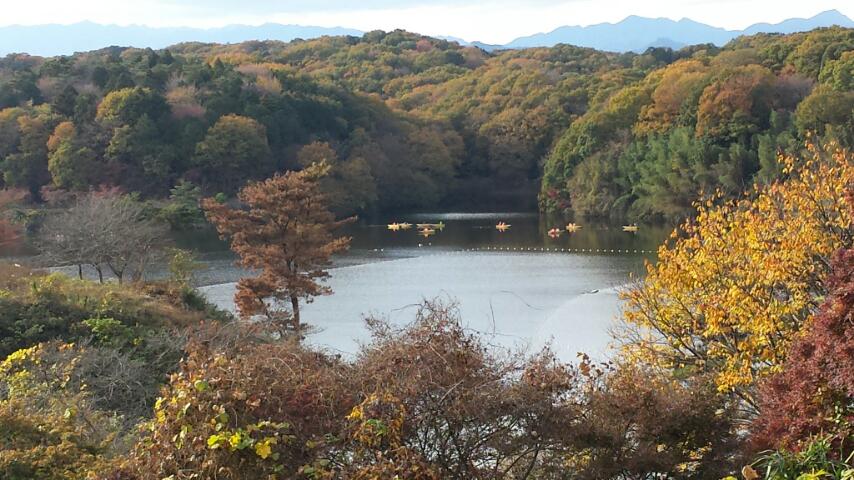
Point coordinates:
pixel 285 231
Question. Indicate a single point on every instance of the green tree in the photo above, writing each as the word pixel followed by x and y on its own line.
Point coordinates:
pixel 676 168
pixel 184 208
pixel 127 105
pixel 234 150
pixel 72 165
pixel 822 108
pixel 839 74
pixel 28 166
pixel 349 186
pixel 140 154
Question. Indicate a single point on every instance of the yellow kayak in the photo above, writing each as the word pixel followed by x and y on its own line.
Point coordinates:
pixel 436 226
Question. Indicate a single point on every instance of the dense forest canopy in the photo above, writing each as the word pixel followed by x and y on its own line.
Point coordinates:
pixel 715 121
pixel 407 121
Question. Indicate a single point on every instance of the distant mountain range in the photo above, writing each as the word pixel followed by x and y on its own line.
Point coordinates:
pixel 632 34
pixel 639 33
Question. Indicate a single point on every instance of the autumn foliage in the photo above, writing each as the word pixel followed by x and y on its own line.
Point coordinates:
pixel 285 231
pixel 814 393
pixel 248 413
pixel 737 284
pixel 426 401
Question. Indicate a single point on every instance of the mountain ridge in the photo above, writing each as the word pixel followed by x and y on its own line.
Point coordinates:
pixel 633 33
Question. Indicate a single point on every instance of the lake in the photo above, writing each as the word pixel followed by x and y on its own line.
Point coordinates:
pixel 521 288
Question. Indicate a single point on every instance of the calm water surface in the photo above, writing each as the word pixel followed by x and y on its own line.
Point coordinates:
pixel 521 287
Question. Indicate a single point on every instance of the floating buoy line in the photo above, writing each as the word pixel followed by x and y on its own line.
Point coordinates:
pixel 602 251
pixel 620 251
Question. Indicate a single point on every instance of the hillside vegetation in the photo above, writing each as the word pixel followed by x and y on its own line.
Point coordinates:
pixel 408 121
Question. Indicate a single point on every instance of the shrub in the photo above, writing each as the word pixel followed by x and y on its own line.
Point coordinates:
pixel 814 392
pixel 44 446
pixel 819 460
pixel 642 423
pixel 426 401
pixel 471 412
pixel 48 428
pixel 37 307
pixel 248 412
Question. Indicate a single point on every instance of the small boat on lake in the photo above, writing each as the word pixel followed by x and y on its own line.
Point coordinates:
pixel 630 228
pixel 426 232
pixel 435 226
pixel 394 226
pixel 572 227
pixel 555 232
pixel 502 227
pixel 405 226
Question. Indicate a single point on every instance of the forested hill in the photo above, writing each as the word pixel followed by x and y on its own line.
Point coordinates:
pixel 413 122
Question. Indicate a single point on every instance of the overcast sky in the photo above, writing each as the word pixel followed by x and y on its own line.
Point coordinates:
pixel 497 21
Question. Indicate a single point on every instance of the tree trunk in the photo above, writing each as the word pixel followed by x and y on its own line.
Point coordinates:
pixel 118 272
pixel 295 309
pixel 100 273
pixel 80 271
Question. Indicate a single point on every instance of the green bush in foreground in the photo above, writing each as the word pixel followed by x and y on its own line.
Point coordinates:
pixel 819 460
pixel 37 307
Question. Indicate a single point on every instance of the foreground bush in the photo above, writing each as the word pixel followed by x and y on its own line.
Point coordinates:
pixel 814 393
pixel 45 446
pixel 253 411
pixel 642 423
pixel 68 411
pixel 426 401
pixel 818 460
pixel 37 307
pixel 48 428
